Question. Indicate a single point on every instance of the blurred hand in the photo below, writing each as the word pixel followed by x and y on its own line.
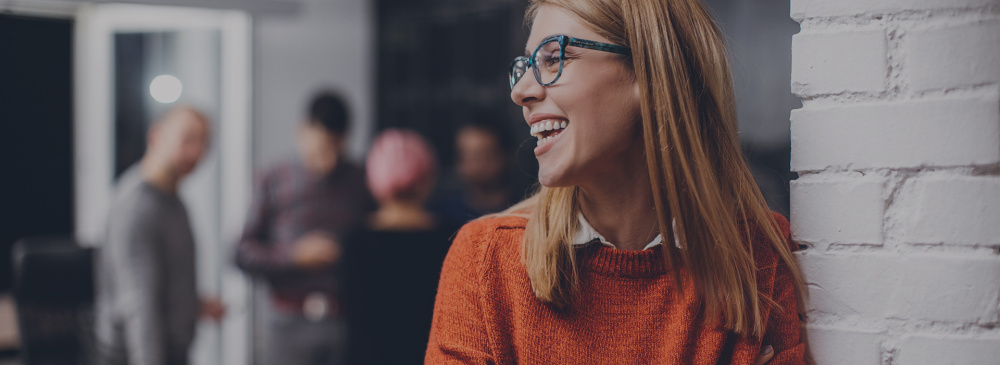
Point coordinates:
pixel 316 250
pixel 765 356
pixel 212 309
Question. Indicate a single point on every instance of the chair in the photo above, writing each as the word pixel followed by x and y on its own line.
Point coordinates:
pixel 54 294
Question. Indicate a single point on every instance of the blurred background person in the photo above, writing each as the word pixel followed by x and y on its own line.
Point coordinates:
pixel 147 302
pixel 481 184
pixel 300 211
pixel 393 263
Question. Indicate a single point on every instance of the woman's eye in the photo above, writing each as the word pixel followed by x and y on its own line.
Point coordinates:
pixel 548 60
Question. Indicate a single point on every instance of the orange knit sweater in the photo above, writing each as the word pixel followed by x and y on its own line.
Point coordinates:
pixel 628 311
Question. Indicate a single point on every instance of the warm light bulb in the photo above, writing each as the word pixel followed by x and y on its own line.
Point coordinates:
pixel 165 89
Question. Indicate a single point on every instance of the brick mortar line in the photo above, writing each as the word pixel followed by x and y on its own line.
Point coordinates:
pixel 846 99
pixel 900 249
pixel 945 15
pixel 896 85
pixel 898 327
pixel 990 89
pixel 841 98
pixel 987 170
pixel 891 226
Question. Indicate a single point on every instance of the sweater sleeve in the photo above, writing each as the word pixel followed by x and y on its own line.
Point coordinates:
pixel 140 282
pixel 783 326
pixel 783 329
pixel 458 331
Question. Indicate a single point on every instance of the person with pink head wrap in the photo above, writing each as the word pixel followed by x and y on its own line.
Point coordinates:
pixel 392 266
pixel 401 166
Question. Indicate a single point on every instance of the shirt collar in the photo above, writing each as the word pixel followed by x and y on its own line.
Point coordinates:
pixel 587 234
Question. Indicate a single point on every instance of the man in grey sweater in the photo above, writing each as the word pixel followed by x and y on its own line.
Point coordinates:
pixel 147 305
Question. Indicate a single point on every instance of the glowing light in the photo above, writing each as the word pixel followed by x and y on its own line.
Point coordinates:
pixel 165 89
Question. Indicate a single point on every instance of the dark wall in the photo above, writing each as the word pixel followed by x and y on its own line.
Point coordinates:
pixel 36 131
pixel 442 64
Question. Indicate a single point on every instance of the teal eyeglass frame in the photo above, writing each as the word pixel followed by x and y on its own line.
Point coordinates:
pixel 522 63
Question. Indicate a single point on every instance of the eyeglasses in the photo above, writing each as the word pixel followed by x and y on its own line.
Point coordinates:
pixel 547 60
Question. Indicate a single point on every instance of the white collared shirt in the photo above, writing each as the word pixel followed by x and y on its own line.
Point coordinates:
pixel 587 234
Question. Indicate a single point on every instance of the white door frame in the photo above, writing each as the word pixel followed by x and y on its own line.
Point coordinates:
pixel 94 135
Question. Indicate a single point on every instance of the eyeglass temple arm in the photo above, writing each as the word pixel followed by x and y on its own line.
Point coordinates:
pixel 583 43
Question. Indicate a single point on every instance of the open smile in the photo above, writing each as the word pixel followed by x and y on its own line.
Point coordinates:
pixel 546 130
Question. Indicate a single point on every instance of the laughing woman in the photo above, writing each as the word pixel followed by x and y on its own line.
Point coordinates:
pixel 649 242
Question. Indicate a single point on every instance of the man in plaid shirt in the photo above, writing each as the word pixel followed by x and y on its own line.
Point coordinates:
pixel 292 238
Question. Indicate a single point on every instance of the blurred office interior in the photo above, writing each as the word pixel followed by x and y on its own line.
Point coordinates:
pixel 80 82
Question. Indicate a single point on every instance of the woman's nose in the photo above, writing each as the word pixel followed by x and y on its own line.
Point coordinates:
pixel 527 90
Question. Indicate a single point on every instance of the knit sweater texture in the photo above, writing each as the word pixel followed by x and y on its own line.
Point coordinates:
pixel 628 311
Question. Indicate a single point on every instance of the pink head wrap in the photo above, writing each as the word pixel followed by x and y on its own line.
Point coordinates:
pixel 399 162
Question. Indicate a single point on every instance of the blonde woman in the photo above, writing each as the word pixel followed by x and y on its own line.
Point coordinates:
pixel 648 242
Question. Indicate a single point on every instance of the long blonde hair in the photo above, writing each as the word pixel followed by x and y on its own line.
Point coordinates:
pixel 697 172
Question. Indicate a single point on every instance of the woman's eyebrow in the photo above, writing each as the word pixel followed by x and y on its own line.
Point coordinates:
pixel 527 52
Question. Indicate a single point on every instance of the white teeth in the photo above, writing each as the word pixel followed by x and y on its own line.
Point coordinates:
pixel 549 125
pixel 542 141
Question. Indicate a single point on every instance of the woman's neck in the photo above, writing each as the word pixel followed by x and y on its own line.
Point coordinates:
pixel 620 207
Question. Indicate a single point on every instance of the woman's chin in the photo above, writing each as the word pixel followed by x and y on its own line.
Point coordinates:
pixel 551 180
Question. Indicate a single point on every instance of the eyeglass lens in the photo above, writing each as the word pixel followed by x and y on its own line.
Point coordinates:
pixel 546 65
pixel 517 70
pixel 547 62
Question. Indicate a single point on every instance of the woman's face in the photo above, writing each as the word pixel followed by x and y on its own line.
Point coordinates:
pixel 597 99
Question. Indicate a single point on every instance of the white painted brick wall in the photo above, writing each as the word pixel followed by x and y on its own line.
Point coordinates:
pixel 951 210
pixel 897 146
pixel 916 286
pixel 841 345
pixel 830 63
pixel 845 210
pixel 944 350
pixel 933 64
pixel 803 9
pixel 898 134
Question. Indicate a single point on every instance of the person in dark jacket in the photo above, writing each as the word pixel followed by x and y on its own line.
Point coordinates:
pixel 293 238
pixel 392 264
